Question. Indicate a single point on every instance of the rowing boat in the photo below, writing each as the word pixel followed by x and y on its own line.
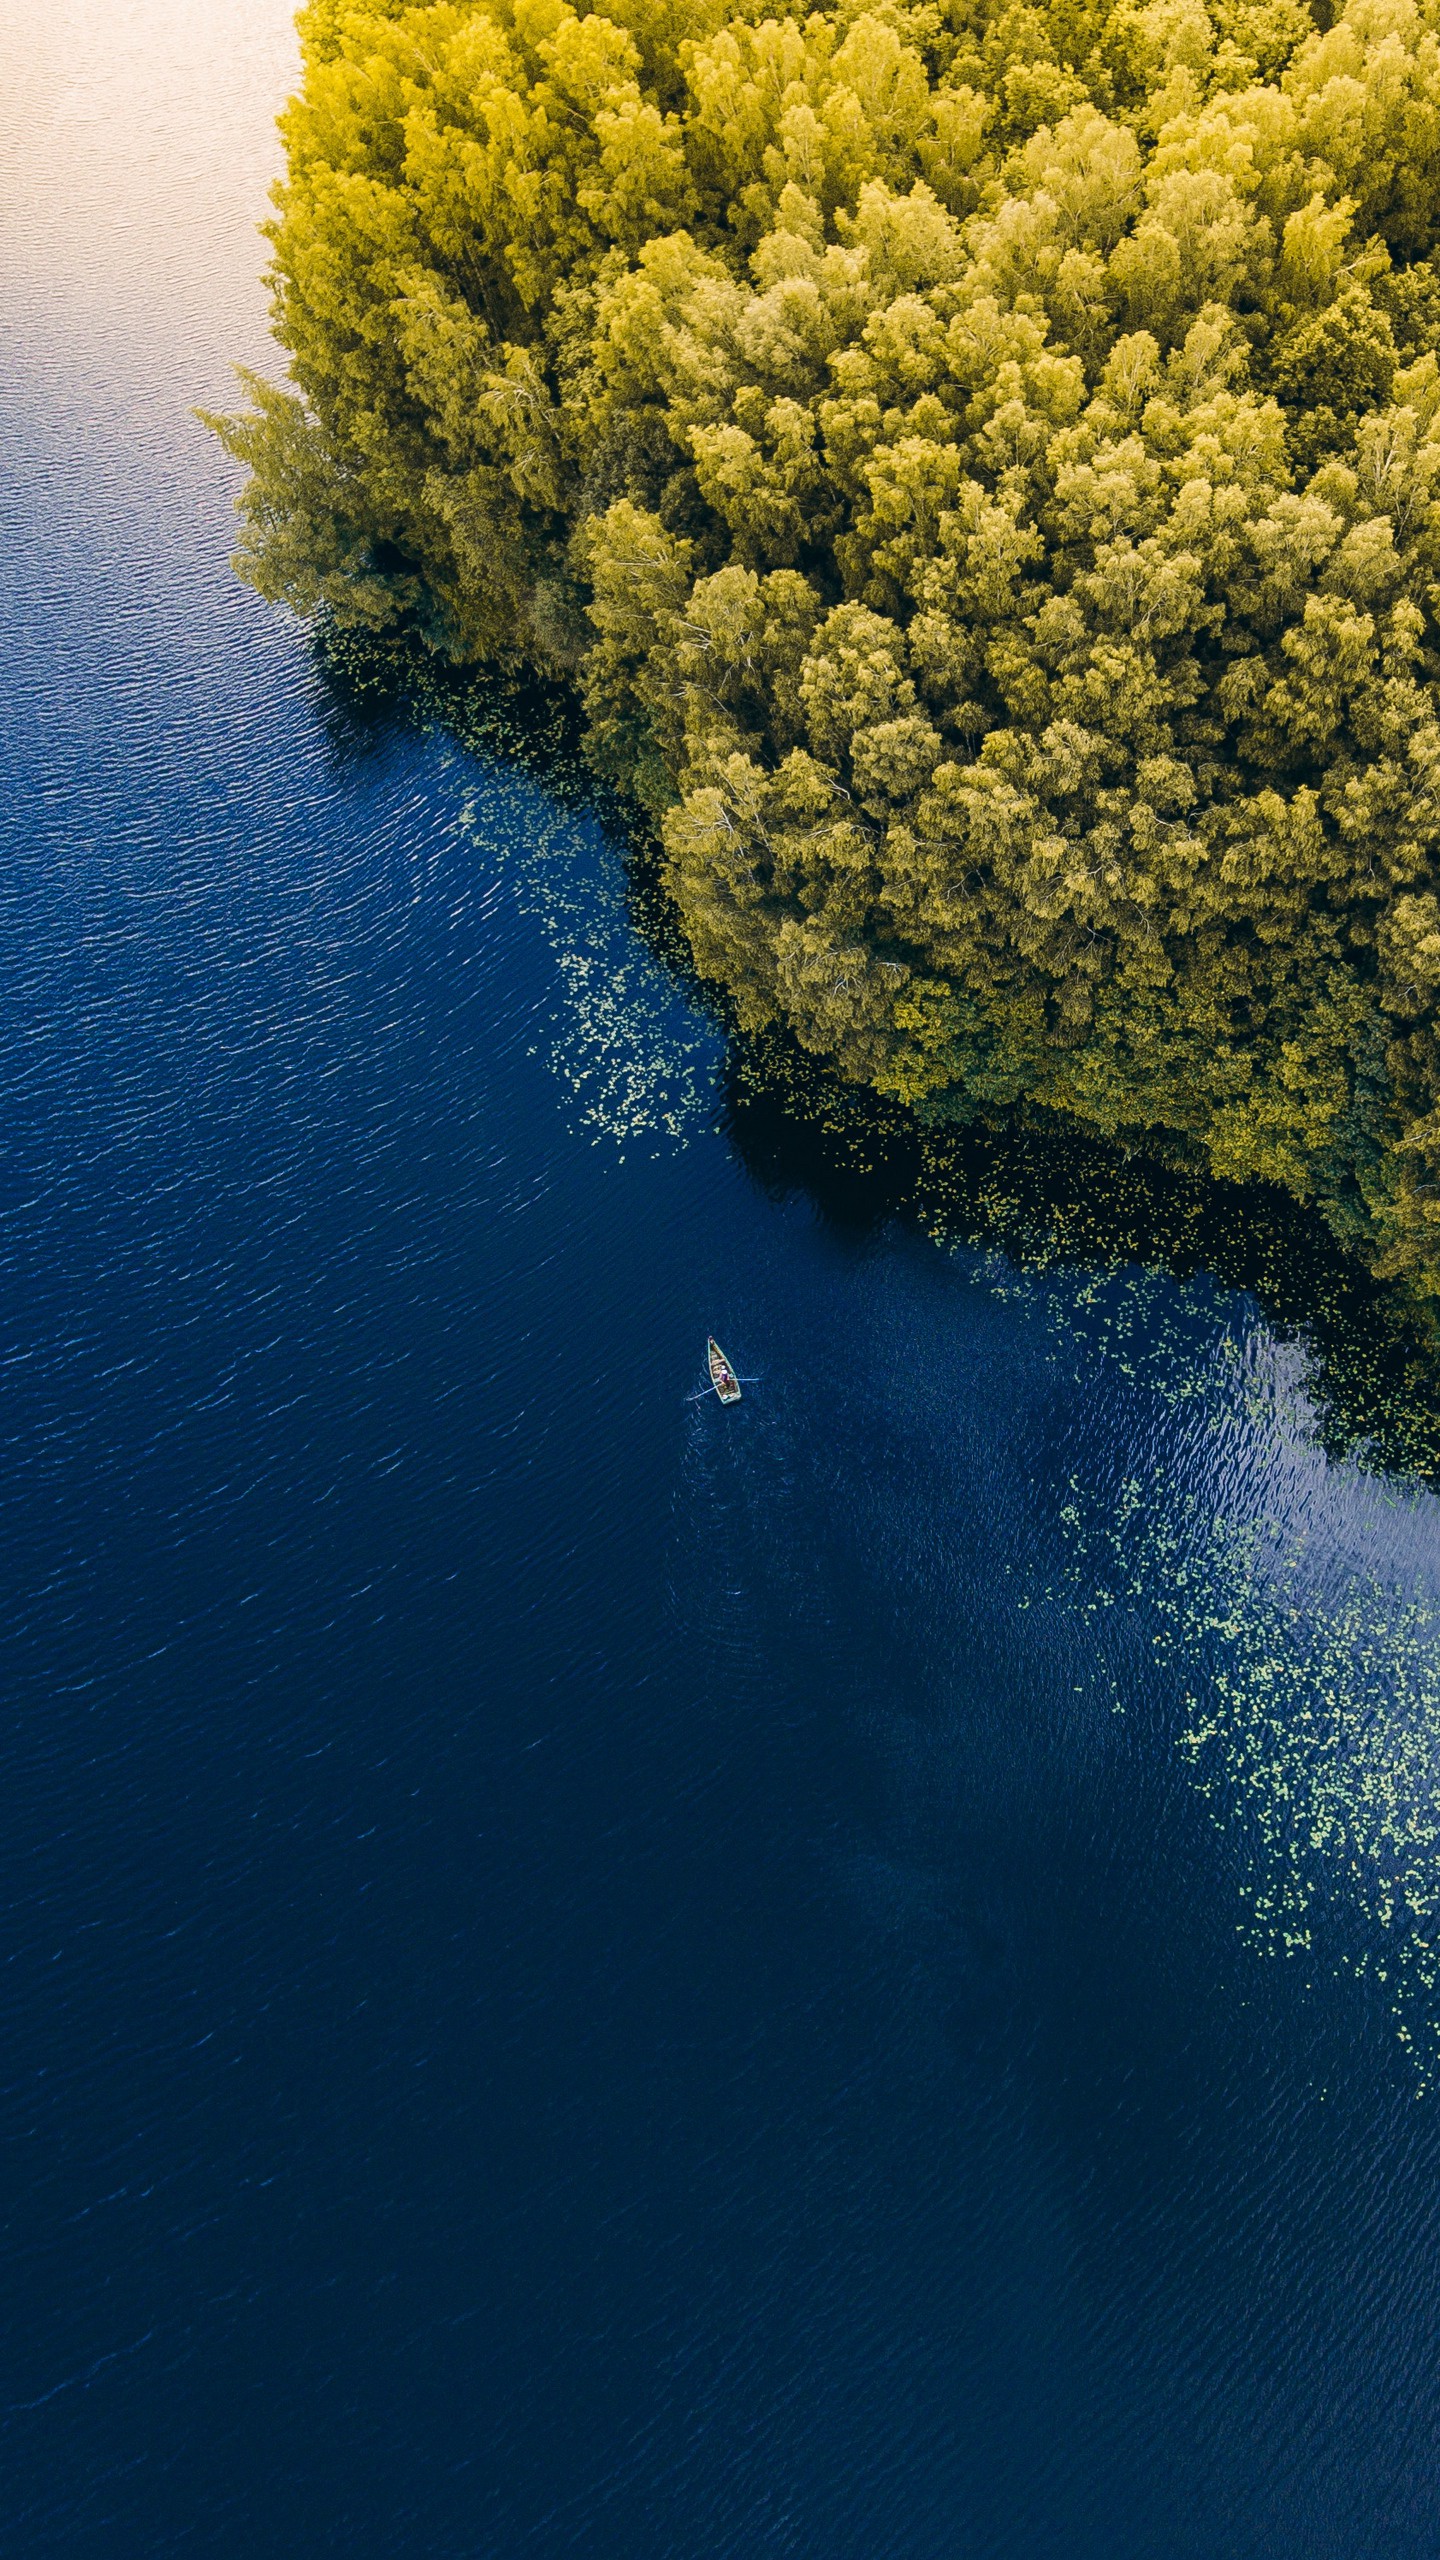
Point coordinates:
pixel 722 1376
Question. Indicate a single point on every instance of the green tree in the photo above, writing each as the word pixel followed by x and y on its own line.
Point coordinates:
pixel 981 466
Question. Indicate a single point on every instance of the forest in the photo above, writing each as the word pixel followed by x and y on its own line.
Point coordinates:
pixel 979 468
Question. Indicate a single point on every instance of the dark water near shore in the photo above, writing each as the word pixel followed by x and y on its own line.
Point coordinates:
pixel 578 1973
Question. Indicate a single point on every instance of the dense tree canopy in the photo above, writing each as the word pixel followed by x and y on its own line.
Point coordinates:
pixel 981 465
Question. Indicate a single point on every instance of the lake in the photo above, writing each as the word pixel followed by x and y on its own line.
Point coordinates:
pixel 849 1979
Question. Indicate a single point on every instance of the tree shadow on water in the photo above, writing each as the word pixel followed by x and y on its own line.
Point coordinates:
pixel 1050 1195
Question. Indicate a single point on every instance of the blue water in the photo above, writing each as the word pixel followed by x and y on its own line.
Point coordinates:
pixel 579 1973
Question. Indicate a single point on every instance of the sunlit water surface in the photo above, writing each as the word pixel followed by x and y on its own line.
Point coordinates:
pixel 854 1978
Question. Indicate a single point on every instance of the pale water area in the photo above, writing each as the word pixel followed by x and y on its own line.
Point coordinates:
pixel 854 1979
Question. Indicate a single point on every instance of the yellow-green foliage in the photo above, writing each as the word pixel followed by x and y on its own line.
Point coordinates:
pixel 982 466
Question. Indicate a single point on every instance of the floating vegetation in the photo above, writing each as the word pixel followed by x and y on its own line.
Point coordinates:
pixel 639 1058
pixel 518 718
pixel 1312 1704
pixel 642 1066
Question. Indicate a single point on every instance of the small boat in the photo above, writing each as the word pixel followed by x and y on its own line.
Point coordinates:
pixel 722 1376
